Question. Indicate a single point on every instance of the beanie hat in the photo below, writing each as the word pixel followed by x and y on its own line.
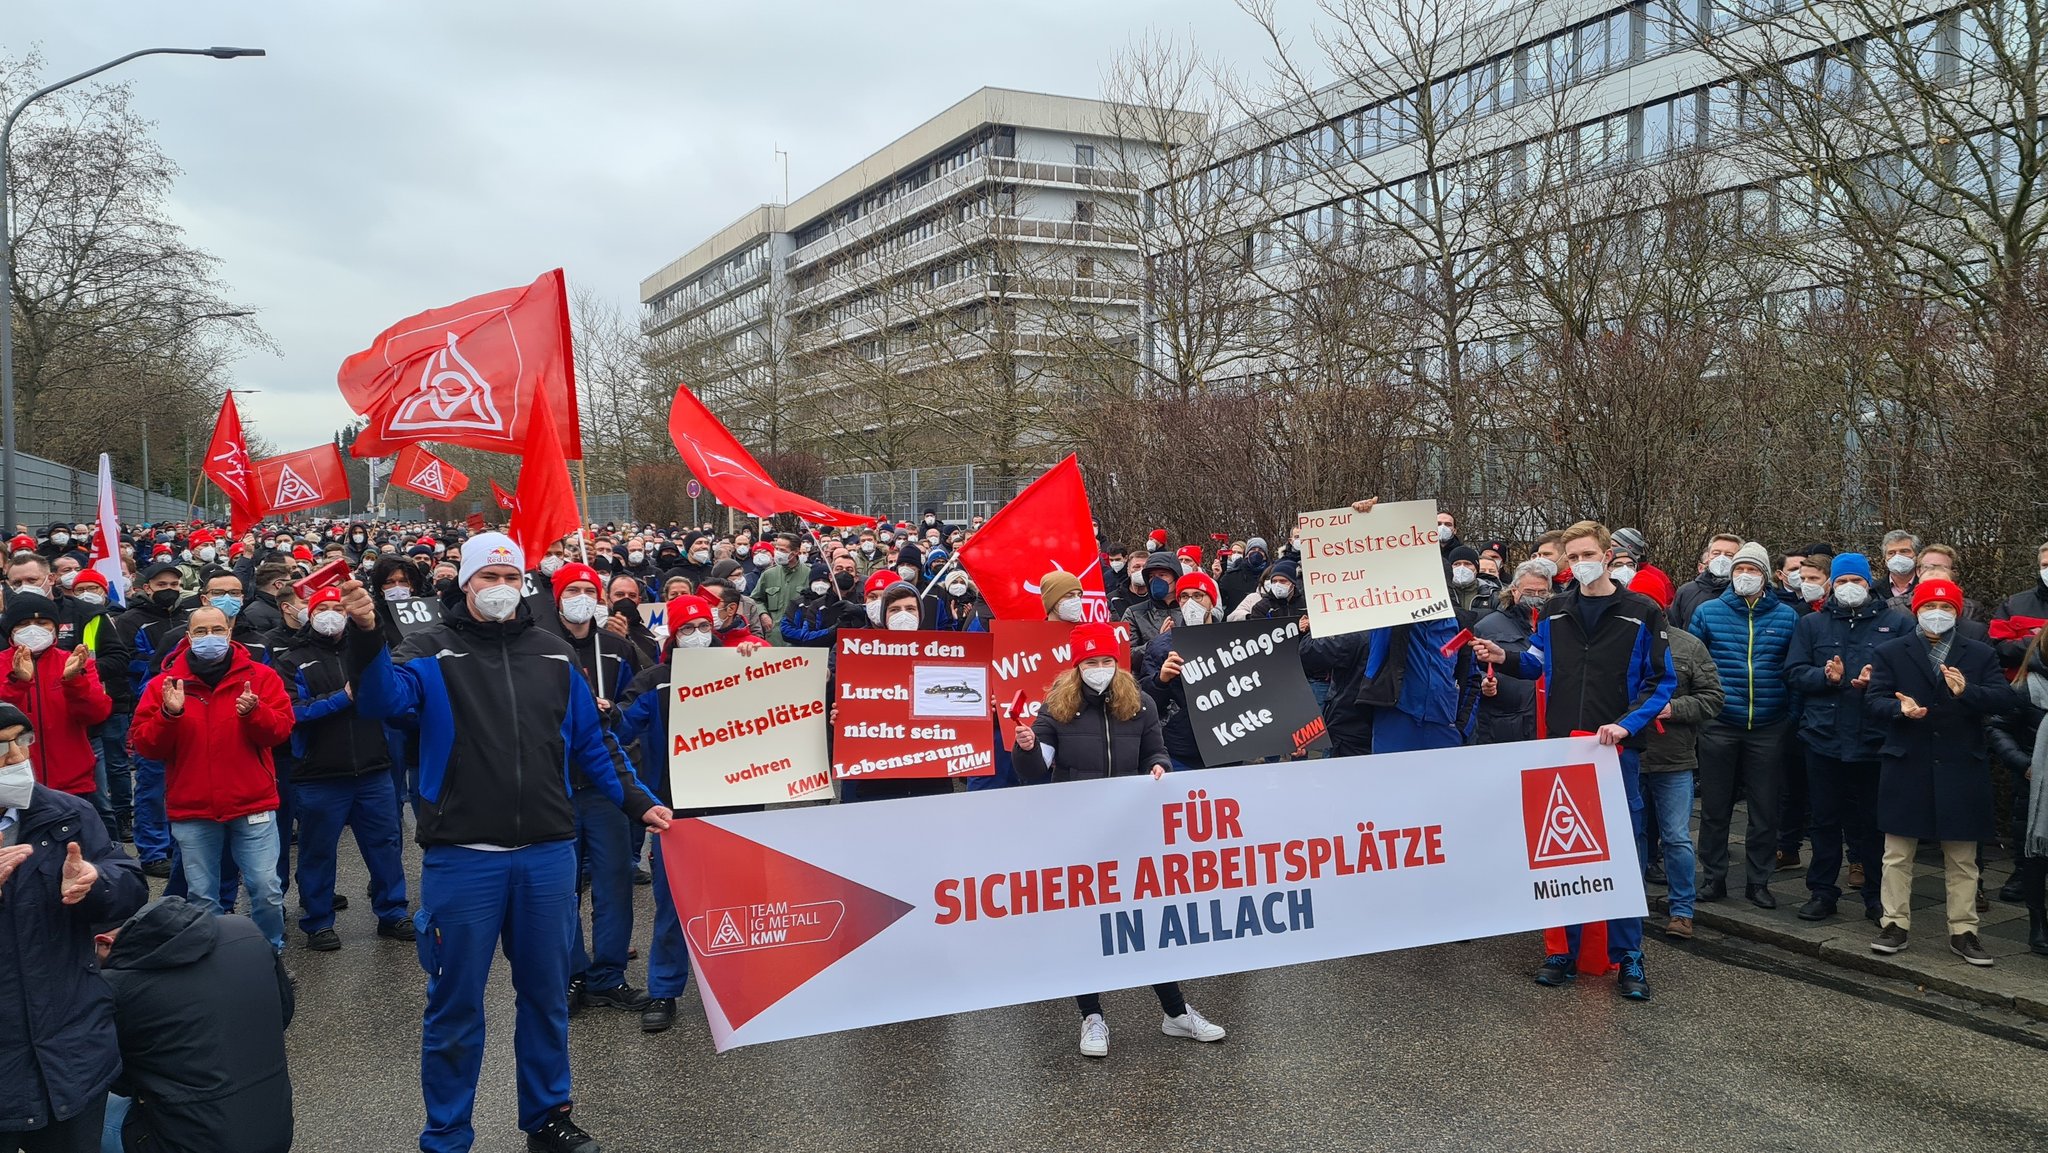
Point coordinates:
pixel 160 550
pixel 24 605
pixel 1255 544
pixel 331 595
pixel 1057 586
pixel 1191 553
pixel 1630 541
pixel 486 549
pixel 1466 553
pixel 22 543
pixel 880 580
pixel 1651 582
pixel 89 576
pixel 1286 569
pixel 686 608
pixel 1849 564
pixel 301 552
pixel 1200 582
pixel 1923 593
pixel 1096 639
pixel 1756 554
pixel 911 555
pixel 201 536
pixel 572 572
pixel 1156 540
pixel 724 568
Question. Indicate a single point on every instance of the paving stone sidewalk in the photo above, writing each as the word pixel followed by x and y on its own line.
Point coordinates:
pixel 2018 981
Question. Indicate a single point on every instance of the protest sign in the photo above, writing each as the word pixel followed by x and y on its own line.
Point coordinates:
pixel 913 704
pixel 415 613
pixel 1246 694
pixel 654 614
pixel 797 925
pixel 747 730
pixel 1025 658
pixel 1370 570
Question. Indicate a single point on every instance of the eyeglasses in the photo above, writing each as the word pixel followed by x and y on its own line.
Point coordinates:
pixel 698 627
pixel 23 741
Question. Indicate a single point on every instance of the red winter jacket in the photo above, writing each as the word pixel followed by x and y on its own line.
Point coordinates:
pixel 64 713
pixel 217 762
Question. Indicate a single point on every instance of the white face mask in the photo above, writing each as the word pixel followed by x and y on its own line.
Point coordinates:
pixel 1098 678
pixel 1279 590
pixel 91 597
pixel 1622 574
pixel 907 572
pixel 700 556
pixel 1186 568
pixel 903 621
pixel 330 624
pixel 635 557
pixel 1069 609
pixel 34 638
pixel 1812 591
pixel 17 785
pixel 1721 566
pixel 1899 565
pixel 1118 566
pixel 68 579
pixel 1588 571
pixel 818 588
pixel 698 640
pixel 1851 595
pixel 498 602
pixel 1934 622
pixel 580 609
pixel 1192 613
pixel 763 560
pixel 204 554
pixel 60 538
pixel 549 564
pixel 957 588
pixel 1462 576
pixel 1747 584
pixel 398 593
pixel 875 612
pixel 2044 575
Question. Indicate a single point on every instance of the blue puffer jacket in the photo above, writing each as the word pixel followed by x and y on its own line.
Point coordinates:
pixel 1832 720
pixel 1748 643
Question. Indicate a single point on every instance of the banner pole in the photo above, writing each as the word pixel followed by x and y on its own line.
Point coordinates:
pixel 583 550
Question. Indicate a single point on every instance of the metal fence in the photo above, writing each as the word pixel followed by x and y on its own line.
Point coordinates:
pixel 46 492
pixel 958 492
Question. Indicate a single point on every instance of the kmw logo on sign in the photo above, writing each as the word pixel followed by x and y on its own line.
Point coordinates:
pixel 1561 816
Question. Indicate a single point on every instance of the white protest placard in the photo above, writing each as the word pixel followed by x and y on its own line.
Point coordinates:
pixel 811 920
pixel 654 614
pixel 747 730
pixel 1371 570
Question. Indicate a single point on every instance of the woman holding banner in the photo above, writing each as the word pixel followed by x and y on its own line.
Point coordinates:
pixel 1096 723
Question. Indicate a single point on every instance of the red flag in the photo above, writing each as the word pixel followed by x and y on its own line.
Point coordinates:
pixel 304 479
pixel 420 471
pixel 475 521
pixel 506 500
pixel 470 374
pixel 731 473
pixel 227 465
pixel 1047 527
pixel 546 509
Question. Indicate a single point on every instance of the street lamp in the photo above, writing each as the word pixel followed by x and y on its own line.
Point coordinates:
pixel 7 255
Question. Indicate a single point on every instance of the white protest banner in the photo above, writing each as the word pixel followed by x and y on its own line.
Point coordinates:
pixel 1370 570
pixel 747 730
pixel 812 920
pixel 654 614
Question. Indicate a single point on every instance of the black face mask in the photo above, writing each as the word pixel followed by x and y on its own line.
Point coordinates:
pixel 844 581
pixel 626 605
pixel 445 585
pixel 164 598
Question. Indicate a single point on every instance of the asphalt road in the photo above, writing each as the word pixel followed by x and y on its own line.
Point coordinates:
pixel 1450 1048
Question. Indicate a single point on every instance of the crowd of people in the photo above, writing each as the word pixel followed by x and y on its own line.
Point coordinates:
pixel 220 728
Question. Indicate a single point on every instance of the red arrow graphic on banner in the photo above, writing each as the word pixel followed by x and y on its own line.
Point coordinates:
pixel 761 922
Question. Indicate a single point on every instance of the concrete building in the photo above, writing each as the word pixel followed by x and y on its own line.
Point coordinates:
pixel 953 252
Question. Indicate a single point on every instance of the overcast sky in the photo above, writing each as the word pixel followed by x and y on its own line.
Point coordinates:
pixel 388 157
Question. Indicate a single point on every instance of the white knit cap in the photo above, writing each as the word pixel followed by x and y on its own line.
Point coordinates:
pixel 486 549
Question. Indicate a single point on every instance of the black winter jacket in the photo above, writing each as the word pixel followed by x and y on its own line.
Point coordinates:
pixel 1093 745
pixel 502 712
pixel 61 1053
pixel 202 1004
pixel 1832 720
pixel 332 739
pixel 1694 593
pixel 1509 714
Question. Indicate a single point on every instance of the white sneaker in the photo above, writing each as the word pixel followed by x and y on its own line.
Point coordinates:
pixel 1191 1025
pixel 1094 1036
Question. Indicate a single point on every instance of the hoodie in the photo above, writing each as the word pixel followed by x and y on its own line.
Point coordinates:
pixel 201 1004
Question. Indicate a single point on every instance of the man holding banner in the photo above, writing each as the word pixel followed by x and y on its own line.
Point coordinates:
pixel 1601 651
